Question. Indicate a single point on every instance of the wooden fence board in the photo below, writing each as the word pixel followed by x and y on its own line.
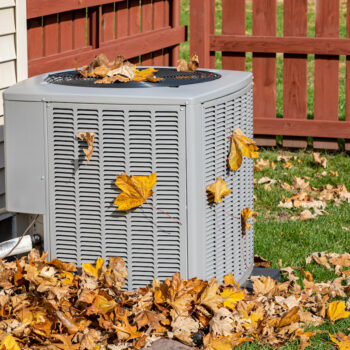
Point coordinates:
pixel 347 86
pixel 158 22
pixel 79 29
pixel 175 16
pixel 51 39
pixel 146 26
pixel 200 24
pixel 326 103
pixel 295 69
pixel 107 24
pixel 233 22
pixel 66 32
pixel 264 66
pixel 35 38
pixel 121 20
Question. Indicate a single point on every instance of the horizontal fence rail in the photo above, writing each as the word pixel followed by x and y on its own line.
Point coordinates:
pixel 295 45
pixel 68 33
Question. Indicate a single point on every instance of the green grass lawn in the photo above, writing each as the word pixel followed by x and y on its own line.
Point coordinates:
pixel 287 242
pixel 279 74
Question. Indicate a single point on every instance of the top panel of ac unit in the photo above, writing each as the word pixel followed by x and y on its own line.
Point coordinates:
pixel 40 88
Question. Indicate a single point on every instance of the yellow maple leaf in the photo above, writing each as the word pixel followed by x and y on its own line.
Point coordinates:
pixel 231 297
pixel 341 340
pixel 147 75
pixel 209 297
pixel 241 145
pixel 91 270
pixel 9 343
pixel 230 280
pixel 336 311
pixel 136 190
pixel 246 213
pixel 218 189
pixel 103 304
pixel 228 342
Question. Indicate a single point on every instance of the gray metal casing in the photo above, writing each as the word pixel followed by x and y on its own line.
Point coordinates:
pixel 181 133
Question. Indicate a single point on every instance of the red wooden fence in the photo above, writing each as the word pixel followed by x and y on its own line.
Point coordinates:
pixel 66 33
pixel 295 45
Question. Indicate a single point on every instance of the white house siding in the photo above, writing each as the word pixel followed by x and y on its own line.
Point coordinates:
pixel 13 63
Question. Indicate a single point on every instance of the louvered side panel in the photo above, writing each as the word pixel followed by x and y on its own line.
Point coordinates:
pixel 167 152
pixel 115 153
pixel 225 248
pixel 142 219
pixel 89 188
pixel 84 222
pixel 64 240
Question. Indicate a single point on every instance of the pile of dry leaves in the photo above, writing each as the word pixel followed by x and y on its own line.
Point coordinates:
pixel 47 305
pixel 120 70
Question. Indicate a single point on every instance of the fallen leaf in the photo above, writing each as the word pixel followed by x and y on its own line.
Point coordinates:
pixel 261 262
pixel 336 311
pixel 136 190
pixel 319 160
pixel 9 343
pixel 342 341
pixel 231 297
pixel 91 270
pixel 221 323
pixel 218 189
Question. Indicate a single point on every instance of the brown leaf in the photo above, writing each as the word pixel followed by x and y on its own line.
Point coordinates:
pixel 192 66
pixel 89 138
pixel 261 262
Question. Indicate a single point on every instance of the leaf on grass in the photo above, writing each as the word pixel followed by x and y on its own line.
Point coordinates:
pixel 218 189
pixel 319 160
pixel 228 342
pixel 136 190
pixel 336 311
pixel 246 213
pixel 241 145
pixel 342 341
pixel 192 66
pixel 89 138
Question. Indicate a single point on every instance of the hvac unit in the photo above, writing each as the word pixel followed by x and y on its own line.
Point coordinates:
pixel 178 128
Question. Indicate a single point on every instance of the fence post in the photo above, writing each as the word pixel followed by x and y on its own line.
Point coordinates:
pixel 200 26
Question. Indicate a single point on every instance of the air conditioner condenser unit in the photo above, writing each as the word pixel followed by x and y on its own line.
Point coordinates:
pixel 178 128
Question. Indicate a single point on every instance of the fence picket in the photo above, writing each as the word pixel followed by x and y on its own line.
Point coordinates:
pixel 326 106
pixel 79 29
pixel 121 20
pixel 158 22
pixel 66 31
pixel 175 16
pixel 347 87
pixel 146 25
pixel 233 22
pixel 295 69
pixel 35 38
pixel 107 24
pixel 264 66
pixel 51 39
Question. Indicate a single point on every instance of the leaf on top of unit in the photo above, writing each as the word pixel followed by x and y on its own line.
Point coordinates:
pixel 136 190
pixel 89 138
pixel 218 189
pixel 191 66
pixel 241 145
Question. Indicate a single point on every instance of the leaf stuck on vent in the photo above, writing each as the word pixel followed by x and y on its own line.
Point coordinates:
pixel 89 137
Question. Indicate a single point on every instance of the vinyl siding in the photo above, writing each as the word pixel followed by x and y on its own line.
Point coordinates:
pixel 13 63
